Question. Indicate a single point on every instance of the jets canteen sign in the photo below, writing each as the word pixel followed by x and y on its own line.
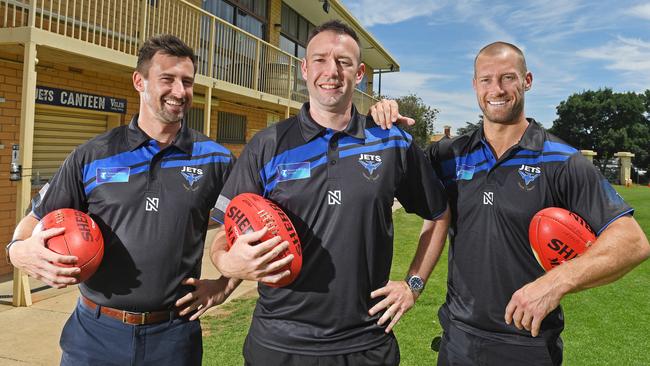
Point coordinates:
pixel 75 99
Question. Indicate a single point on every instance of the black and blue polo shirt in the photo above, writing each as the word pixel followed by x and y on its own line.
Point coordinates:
pixel 152 205
pixel 338 188
pixel 492 203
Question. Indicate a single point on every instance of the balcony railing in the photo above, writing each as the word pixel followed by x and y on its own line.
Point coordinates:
pixel 224 51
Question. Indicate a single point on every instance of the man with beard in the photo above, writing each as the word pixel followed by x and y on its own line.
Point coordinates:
pixel 336 174
pixel 501 308
pixel 150 186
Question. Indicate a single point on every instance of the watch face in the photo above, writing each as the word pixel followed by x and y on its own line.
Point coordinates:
pixel 416 283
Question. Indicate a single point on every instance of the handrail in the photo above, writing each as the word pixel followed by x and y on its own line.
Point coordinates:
pixel 225 52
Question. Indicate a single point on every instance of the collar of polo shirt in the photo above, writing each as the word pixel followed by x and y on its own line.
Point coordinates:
pixel 136 137
pixel 310 128
pixel 533 138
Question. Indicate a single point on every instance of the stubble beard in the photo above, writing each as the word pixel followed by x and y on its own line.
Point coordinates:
pixel 509 118
pixel 168 117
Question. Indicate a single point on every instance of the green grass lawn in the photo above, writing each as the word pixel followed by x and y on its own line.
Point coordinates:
pixel 609 325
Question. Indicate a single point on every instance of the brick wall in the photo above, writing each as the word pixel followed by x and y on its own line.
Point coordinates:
pixel 275 17
pixel 255 121
pixel 56 76
pixel 10 81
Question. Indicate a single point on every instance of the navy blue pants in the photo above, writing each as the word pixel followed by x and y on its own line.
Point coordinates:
pixel 91 338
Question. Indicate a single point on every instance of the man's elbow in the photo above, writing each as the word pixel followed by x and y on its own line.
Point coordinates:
pixel 641 247
pixel 644 252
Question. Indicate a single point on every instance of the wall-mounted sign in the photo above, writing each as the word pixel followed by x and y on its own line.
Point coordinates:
pixel 75 99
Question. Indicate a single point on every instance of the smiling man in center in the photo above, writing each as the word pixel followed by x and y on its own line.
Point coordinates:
pixel 336 174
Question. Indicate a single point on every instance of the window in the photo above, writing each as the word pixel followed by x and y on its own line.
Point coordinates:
pixel 287 45
pixel 250 24
pixel 257 7
pixel 231 128
pixel 295 31
pixel 194 119
pixel 249 15
pixel 271 119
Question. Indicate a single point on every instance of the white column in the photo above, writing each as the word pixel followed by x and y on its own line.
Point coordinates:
pixel 21 292
pixel 626 167
pixel 589 154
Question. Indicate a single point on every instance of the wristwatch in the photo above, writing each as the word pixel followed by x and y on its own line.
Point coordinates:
pixel 7 249
pixel 415 283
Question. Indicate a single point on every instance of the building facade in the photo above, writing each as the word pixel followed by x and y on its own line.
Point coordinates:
pixel 66 66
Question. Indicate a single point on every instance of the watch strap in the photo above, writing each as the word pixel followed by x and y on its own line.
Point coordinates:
pixel 12 242
pixel 415 283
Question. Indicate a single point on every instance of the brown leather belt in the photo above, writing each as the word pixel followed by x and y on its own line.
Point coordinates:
pixel 133 318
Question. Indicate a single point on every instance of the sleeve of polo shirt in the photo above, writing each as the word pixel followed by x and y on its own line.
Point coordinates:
pixel 64 190
pixel 420 190
pixel 226 170
pixel 583 190
pixel 432 154
pixel 244 177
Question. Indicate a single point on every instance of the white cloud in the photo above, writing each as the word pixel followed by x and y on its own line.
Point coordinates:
pixel 495 31
pixel 544 16
pixel 630 56
pixel 372 12
pixel 404 81
pixel 553 21
pixel 570 46
pixel 641 11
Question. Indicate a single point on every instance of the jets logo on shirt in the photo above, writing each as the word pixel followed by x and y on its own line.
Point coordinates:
pixel 371 164
pixel 191 175
pixel 528 176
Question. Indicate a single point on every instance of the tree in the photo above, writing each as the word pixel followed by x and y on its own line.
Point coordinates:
pixel 424 116
pixel 606 122
pixel 469 126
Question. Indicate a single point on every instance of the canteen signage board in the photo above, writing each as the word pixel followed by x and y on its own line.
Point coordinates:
pixel 75 99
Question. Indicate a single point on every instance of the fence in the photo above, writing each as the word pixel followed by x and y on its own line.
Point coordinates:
pixel 224 51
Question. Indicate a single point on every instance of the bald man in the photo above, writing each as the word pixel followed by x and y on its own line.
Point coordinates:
pixel 501 307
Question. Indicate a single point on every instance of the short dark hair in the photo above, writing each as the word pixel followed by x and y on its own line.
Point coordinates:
pixel 337 27
pixel 166 44
pixel 497 47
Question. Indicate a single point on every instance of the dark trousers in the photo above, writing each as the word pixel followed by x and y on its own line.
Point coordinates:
pixel 386 354
pixel 90 338
pixel 459 348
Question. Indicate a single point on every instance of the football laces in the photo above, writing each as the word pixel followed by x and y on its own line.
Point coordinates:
pixel 269 222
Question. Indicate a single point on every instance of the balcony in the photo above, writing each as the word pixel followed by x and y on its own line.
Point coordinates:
pixel 228 57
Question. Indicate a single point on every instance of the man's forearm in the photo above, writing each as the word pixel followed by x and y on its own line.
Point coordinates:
pixel 619 248
pixel 25 227
pixel 233 283
pixel 430 246
pixel 218 248
pixel 23 231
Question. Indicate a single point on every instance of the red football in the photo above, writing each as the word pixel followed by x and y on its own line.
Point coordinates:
pixel 558 235
pixel 82 238
pixel 249 212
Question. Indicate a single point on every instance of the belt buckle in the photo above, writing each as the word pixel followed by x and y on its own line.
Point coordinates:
pixel 143 316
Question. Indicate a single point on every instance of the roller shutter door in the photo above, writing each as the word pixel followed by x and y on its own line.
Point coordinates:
pixel 57 133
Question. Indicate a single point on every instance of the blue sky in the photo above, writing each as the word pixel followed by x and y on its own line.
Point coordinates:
pixel 570 46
